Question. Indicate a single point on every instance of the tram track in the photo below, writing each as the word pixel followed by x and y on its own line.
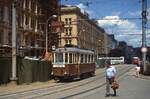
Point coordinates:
pixel 43 88
pixel 61 87
pixel 119 76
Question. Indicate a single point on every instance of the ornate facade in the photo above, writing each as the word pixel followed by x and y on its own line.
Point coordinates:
pixel 31 17
pixel 80 31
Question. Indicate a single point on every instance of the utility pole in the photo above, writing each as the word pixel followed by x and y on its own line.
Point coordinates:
pixel 144 21
pixel 13 76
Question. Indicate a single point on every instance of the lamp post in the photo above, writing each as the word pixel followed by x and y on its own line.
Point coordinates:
pixel 100 41
pixel 46 31
pixel 14 48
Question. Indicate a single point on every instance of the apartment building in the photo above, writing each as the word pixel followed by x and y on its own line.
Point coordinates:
pixel 31 17
pixel 81 31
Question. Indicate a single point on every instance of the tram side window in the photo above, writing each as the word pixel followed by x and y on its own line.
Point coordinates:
pixel 85 58
pixel 89 58
pixel 75 58
pixel 59 57
pixel 92 58
pixel 70 57
pixel 81 58
pixel 66 57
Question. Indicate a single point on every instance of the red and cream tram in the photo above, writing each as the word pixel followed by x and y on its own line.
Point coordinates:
pixel 70 63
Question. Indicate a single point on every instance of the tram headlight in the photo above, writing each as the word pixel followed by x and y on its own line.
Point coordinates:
pixel 65 73
pixel 63 65
pixel 58 65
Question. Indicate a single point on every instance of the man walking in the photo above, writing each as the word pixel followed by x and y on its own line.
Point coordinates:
pixel 110 78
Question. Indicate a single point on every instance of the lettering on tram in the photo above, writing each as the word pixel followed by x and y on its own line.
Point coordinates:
pixel 70 63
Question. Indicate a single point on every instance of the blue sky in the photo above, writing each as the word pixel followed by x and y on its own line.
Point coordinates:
pixel 124 30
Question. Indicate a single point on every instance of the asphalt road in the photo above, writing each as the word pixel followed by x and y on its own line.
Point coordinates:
pixel 130 88
pixel 90 88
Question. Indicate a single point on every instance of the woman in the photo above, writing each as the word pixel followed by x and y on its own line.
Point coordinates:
pixel 137 70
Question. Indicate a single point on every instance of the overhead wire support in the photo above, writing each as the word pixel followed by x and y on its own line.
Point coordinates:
pixel 144 22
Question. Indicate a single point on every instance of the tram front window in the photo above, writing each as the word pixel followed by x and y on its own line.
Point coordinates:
pixel 59 58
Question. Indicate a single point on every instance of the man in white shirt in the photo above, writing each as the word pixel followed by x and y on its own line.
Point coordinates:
pixel 110 77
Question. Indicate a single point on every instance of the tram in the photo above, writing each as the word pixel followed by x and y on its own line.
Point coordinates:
pixel 70 63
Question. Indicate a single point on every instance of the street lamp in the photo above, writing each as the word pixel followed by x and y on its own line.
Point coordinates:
pixel 46 31
pixel 14 49
pixel 100 41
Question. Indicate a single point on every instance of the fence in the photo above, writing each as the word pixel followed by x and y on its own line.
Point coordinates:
pixel 28 71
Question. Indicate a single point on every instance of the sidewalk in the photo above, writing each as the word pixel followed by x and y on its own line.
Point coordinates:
pixel 13 88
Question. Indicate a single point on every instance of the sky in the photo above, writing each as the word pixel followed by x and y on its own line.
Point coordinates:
pixel 118 17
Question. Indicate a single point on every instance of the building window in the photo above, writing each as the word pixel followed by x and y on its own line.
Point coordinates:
pixel 26 4
pixel 10 14
pixel 1 13
pixel 1 36
pixel 70 20
pixel 9 37
pixel 68 41
pixel 66 20
pixel 33 4
pixel 68 31
pixel 26 21
pixel 32 23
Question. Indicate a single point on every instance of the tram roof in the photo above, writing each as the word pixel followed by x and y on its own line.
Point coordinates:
pixel 74 50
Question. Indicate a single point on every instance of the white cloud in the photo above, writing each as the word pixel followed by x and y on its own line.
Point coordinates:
pixel 109 21
pixel 134 14
pixel 124 30
pixel 85 9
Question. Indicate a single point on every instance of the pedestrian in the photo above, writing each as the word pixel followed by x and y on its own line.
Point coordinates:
pixel 110 78
pixel 137 69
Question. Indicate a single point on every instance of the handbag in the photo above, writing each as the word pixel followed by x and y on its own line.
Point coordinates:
pixel 115 85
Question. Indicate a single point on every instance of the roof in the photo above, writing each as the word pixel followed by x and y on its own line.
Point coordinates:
pixel 74 50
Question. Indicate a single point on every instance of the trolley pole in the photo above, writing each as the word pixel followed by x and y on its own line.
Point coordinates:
pixel 144 21
pixel 13 76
